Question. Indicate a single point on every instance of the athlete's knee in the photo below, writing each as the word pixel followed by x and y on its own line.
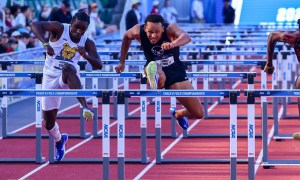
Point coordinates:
pixel 199 114
pixel 297 84
pixel 48 124
pixel 68 69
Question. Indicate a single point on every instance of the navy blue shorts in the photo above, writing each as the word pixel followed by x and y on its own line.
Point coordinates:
pixel 174 73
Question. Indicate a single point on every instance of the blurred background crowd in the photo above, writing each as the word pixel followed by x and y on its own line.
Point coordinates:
pixel 106 16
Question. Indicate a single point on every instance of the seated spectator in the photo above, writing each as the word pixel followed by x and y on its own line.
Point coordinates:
pixel 12 45
pixel 8 19
pixel 3 42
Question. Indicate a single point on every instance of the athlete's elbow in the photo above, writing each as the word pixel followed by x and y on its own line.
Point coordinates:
pixel 100 66
pixel 188 38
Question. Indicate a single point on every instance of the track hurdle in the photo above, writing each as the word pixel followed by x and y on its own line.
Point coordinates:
pixel 38 77
pixel 188 93
pixel 266 162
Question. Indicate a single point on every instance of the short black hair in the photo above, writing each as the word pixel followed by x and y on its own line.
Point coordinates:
pixel 155 18
pixel 81 16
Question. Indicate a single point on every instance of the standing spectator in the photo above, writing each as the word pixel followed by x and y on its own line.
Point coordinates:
pixel 134 16
pixel 155 9
pixel 197 12
pixel 228 12
pixel 45 13
pixel 169 13
pixel 63 14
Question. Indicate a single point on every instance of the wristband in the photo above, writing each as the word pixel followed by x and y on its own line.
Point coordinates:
pixel 46 44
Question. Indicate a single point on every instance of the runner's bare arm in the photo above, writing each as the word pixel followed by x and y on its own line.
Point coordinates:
pixel 178 36
pixel 92 55
pixel 40 27
pixel 131 34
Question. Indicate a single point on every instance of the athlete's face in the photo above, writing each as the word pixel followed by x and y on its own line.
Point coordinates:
pixel 154 31
pixel 78 28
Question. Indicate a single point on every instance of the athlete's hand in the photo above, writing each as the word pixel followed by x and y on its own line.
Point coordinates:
pixel 49 50
pixel 168 45
pixel 120 67
pixel 81 51
pixel 269 68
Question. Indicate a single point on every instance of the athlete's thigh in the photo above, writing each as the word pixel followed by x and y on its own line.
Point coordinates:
pixel 193 104
pixel 297 83
pixel 50 103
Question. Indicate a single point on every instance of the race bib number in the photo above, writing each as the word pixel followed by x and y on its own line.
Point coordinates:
pixel 59 62
pixel 165 62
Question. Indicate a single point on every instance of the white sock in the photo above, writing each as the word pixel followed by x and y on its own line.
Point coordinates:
pixel 54 132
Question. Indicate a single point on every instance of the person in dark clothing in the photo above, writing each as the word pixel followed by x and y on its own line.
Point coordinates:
pixel 228 12
pixel 63 14
pixel 160 42
pixel 133 16
pixel 293 39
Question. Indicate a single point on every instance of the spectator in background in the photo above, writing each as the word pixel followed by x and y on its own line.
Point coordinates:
pixel 8 18
pixel 101 27
pixel 45 13
pixel 22 40
pixel 19 19
pixel 169 13
pixel 4 42
pixel 63 14
pixel 155 8
pixel 228 13
pixel 82 6
pixel 134 16
pixel 197 12
pixel 12 45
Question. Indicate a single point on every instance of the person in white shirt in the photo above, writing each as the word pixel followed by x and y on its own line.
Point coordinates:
pixel 66 45
pixel 169 13
pixel 197 12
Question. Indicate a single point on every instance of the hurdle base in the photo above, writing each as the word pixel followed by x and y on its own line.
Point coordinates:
pixel 227 117
pixel 219 136
pixel 291 117
pixel 280 162
pixel 87 135
pixel 283 136
pixel 21 160
pixel 149 117
pixel 137 136
pixel 98 160
pixel 201 160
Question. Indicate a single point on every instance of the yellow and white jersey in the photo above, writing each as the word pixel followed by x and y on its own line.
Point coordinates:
pixel 64 51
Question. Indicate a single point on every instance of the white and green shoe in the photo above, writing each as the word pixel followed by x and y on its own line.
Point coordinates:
pixel 88 114
pixel 152 75
pixel 296 136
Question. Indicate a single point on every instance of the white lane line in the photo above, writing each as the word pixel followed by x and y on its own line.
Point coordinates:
pixel 270 135
pixel 75 146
